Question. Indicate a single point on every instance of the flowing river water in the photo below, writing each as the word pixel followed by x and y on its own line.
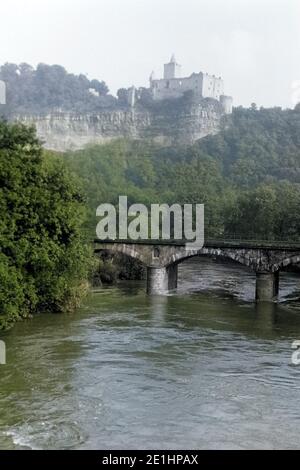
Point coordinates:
pixel 203 367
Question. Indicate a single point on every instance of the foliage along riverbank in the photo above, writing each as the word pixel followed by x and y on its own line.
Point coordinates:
pixel 44 261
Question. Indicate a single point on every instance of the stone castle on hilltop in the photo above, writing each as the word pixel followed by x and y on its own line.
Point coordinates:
pixel 173 86
pixel 172 111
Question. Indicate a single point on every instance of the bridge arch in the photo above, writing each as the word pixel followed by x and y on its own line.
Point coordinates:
pixel 242 257
pixel 125 249
pixel 287 261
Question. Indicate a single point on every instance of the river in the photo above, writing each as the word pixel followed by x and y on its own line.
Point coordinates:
pixel 201 368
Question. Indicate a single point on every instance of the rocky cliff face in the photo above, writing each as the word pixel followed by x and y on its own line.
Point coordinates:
pixel 166 124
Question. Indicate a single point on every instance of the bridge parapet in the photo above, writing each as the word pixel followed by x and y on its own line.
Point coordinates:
pixel 264 258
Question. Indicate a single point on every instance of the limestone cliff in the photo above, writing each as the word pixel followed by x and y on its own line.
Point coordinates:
pixel 167 124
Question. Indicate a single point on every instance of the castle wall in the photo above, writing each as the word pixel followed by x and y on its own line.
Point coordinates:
pixel 176 87
pixel 203 85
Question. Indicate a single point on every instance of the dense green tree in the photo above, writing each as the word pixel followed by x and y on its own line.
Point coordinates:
pixel 268 212
pixel 43 258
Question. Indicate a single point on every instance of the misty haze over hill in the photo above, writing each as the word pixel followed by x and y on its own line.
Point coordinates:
pixel 51 88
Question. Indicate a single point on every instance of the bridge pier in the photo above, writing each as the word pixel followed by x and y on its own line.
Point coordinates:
pixel 161 279
pixel 267 285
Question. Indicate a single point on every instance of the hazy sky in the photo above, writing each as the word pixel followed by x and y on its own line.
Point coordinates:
pixel 253 44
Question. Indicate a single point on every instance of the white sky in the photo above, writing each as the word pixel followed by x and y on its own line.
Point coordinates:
pixel 253 44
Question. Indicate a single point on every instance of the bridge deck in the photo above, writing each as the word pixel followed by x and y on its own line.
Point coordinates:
pixel 234 243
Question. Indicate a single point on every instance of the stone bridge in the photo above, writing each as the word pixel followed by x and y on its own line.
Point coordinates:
pixel 161 259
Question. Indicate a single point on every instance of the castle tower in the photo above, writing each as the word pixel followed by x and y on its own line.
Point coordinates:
pixel 151 78
pixel 131 96
pixel 172 69
pixel 2 92
pixel 226 102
